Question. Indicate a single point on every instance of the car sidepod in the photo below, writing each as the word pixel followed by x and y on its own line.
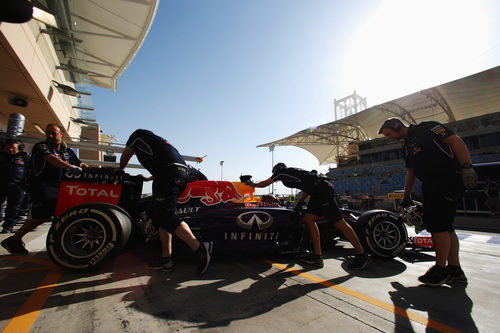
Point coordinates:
pixel 245 228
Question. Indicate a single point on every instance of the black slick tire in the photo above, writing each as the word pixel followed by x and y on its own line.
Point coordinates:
pixel 84 236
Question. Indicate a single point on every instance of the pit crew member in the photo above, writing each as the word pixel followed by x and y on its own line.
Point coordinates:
pixel 13 181
pixel 440 159
pixel 492 190
pixel 48 160
pixel 321 203
pixel 170 176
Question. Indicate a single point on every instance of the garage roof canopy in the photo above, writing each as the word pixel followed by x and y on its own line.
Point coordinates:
pixel 98 39
pixel 472 96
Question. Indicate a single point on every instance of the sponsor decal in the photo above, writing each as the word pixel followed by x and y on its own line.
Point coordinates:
pixel 437 128
pixel 91 192
pixel 440 131
pixel 376 217
pixel 75 212
pixel 98 257
pixel 392 196
pixel 248 219
pixel 398 249
pixel 187 210
pixel 94 177
pixel 251 236
pixel 424 241
pixel 261 204
pixel 72 193
pixel 210 192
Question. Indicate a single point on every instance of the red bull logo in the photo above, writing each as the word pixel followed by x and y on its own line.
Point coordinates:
pixel 211 192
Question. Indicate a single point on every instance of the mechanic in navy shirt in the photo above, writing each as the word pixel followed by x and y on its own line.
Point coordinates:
pixel 440 159
pixel 13 181
pixel 48 160
pixel 322 203
pixel 170 176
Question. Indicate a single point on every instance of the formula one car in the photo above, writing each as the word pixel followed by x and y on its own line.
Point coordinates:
pixel 98 212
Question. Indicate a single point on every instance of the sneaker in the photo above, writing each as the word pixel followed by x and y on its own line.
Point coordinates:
pixel 203 253
pixel 435 276
pixel 312 259
pixel 14 246
pixel 456 274
pixel 359 262
pixel 304 253
pixel 164 264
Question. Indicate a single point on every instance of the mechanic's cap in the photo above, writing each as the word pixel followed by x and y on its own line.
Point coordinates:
pixel 278 167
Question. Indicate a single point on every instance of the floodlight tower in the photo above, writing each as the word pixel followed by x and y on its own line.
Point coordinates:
pixel 349 105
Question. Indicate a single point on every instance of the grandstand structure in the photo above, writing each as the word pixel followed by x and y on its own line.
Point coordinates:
pixel 379 166
pixel 369 167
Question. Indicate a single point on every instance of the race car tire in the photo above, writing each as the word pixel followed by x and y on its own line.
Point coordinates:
pixel 84 236
pixel 382 233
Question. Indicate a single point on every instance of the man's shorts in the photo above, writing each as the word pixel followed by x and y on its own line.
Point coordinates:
pixel 323 204
pixel 168 185
pixel 440 203
pixel 43 200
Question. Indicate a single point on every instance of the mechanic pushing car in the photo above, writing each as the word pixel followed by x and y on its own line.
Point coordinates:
pixel 321 203
pixel 170 176
pixel 48 160
pixel 441 161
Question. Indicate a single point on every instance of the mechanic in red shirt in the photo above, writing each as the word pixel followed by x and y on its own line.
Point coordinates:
pixel 321 203
pixel 441 161
pixel 170 176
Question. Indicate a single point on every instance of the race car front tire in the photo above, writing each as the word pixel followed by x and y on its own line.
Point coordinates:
pixel 382 233
pixel 84 236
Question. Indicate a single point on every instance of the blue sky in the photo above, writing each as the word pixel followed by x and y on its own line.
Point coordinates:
pixel 220 77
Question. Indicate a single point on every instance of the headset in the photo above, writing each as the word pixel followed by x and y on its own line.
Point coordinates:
pixel 393 124
pixel 20 145
pixel 278 167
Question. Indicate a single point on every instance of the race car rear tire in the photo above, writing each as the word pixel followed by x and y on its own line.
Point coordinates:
pixel 382 233
pixel 86 235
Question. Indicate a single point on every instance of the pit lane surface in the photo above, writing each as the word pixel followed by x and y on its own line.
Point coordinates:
pixel 249 293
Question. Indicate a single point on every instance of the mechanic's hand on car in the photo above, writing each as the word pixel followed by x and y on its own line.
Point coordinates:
pixel 469 176
pixel 116 170
pixel 75 169
pixel 144 178
pixel 250 183
pixel 405 203
pixel 298 206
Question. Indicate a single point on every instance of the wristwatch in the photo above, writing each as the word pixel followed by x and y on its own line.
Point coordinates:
pixel 466 166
